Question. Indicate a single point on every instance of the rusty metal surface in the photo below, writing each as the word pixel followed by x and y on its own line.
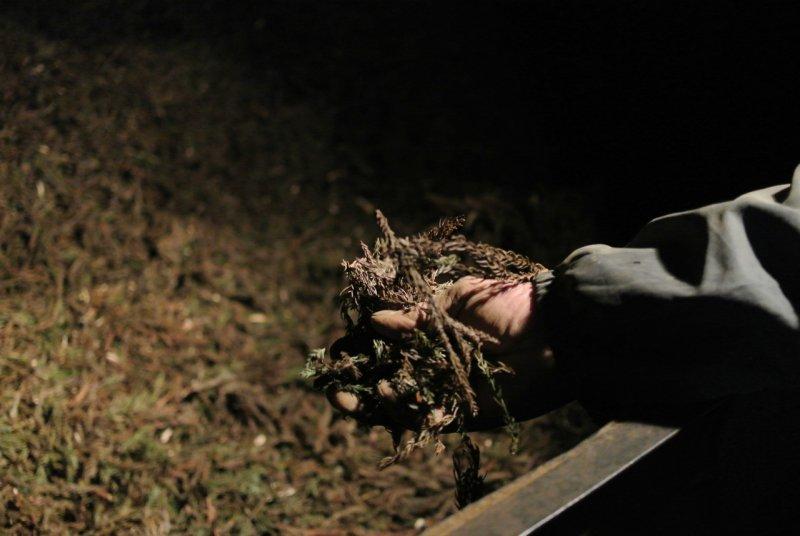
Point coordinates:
pixel 527 504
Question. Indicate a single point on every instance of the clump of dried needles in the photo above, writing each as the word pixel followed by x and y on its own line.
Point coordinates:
pixel 431 371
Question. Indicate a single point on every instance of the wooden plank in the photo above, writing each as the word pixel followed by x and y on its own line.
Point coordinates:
pixel 530 502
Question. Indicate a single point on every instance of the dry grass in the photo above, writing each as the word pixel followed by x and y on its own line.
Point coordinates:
pixel 168 253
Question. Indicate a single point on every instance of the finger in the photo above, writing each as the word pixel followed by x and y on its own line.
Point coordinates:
pixel 399 411
pixel 396 324
pixel 387 413
pixel 386 391
pixel 345 401
pixel 395 410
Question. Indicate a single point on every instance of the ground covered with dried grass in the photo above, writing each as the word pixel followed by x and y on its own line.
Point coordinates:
pixel 170 241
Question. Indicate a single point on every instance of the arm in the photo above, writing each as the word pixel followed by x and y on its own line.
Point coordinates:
pixel 699 306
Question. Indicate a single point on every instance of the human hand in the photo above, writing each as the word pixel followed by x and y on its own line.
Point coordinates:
pixel 501 309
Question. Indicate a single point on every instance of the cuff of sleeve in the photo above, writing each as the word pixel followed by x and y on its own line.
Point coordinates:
pixel 542 289
pixel 542 283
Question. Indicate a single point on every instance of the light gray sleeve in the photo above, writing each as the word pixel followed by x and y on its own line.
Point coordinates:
pixel 700 305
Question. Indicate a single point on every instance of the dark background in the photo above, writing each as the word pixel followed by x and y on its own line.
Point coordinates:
pixel 643 107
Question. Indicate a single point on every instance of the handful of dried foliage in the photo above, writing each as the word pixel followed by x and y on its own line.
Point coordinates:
pixel 430 372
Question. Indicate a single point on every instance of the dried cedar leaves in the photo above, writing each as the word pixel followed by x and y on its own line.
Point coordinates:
pixel 429 372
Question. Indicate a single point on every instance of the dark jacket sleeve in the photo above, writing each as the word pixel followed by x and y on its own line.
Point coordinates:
pixel 699 306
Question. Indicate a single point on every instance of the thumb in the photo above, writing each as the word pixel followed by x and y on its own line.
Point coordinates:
pixel 394 324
